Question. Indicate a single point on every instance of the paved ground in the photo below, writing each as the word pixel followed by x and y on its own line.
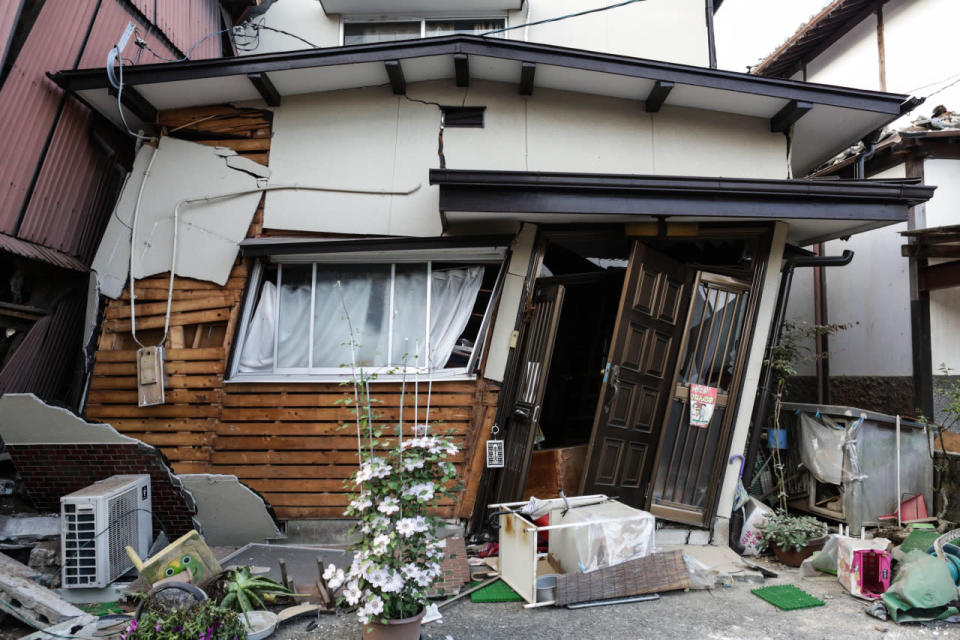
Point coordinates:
pixel 719 614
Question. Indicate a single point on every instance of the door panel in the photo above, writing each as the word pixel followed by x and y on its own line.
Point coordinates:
pixel 524 411
pixel 712 354
pixel 636 390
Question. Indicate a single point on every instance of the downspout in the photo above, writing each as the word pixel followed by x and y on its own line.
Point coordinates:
pixel 711 34
pixel 780 312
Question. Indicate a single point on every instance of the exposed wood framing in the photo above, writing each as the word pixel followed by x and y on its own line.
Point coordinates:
pixel 528 72
pixel 264 86
pixel 788 116
pixel 658 95
pixel 461 65
pixel 284 440
pixel 395 73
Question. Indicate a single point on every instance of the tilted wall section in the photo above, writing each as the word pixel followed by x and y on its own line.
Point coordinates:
pixel 284 440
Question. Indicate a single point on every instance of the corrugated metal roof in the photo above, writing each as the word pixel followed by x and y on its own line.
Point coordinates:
pixel 9 13
pixel 69 198
pixel 45 362
pixel 32 251
pixel 187 22
pixel 29 102
pixel 823 29
pixel 75 190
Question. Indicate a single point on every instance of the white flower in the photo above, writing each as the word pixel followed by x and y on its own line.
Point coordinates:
pixel 361 503
pixel 334 576
pixel 451 449
pixel 377 576
pixel 374 605
pixel 411 464
pixel 380 544
pixel 375 468
pixel 352 594
pixel 394 584
pixel 406 527
pixel 389 505
pixel 422 491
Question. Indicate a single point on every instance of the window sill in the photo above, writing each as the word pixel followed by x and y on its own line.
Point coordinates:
pixel 257 378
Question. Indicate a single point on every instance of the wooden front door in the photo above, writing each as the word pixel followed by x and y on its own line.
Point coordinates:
pixel 640 366
pixel 523 415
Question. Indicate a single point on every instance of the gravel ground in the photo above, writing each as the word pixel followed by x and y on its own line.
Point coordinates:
pixel 719 614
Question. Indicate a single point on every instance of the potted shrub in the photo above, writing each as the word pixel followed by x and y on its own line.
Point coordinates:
pixel 204 620
pixel 398 557
pixel 792 538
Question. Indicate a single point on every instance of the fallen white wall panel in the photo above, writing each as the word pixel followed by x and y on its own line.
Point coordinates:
pixel 25 419
pixel 208 231
pixel 231 513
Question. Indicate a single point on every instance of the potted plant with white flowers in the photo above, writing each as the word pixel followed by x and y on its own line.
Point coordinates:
pixel 398 557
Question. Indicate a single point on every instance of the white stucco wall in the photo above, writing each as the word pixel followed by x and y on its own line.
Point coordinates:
pixel 919 45
pixel 672 30
pixel 874 292
pixel 944 209
pixel 854 60
pixel 370 140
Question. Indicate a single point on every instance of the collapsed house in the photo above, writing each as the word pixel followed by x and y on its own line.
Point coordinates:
pixel 535 234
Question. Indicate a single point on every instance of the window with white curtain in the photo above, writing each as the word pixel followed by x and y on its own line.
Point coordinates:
pixel 321 319
pixel 364 31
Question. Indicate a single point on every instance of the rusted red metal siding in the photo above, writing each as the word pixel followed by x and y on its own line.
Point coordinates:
pixel 9 12
pixel 187 22
pixel 59 187
pixel 29 101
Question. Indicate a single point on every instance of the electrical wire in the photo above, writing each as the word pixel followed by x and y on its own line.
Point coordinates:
pixel 942 89
pixel 564 17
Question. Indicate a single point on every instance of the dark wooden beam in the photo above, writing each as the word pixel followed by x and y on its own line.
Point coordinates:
pixel 658 95
pixel 265 88
pixel 137 104
pixel 788 116
pixel 930 251
pixel 395 73
pixel 939 276
pixel 528 71
pixel 461 64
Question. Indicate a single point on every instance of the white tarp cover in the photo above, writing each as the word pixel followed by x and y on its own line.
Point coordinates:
pixel 610 533
pixel 209 232
pixel 821 447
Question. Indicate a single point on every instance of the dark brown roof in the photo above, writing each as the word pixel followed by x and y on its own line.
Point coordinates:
pixel 825 28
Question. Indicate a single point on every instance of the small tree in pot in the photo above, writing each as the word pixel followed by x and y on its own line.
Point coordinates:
pixel 792 538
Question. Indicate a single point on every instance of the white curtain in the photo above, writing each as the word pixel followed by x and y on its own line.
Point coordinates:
pixel 367 297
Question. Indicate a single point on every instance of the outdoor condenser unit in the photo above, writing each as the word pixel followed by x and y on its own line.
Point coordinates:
pixel 97 522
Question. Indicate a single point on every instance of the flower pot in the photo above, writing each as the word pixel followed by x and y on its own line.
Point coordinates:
pixel 401 629
pixel 792 557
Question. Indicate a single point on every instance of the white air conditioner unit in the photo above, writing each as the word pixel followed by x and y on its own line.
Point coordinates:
pixel 97 522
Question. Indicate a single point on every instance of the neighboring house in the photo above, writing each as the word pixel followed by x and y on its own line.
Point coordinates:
pixel 62 168
pixel 904 298
pixel 556 241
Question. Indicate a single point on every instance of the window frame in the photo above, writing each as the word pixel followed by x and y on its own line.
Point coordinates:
pixel 422 19
pixel 493 257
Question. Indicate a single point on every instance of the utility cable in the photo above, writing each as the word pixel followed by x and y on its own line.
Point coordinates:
pixel 564 17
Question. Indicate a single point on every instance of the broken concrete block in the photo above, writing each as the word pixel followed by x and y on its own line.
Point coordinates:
pixel 82 626
pixel 230 513
pixel 45 560
pixel 32 601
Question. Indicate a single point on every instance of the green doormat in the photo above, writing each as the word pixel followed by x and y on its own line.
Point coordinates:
pixel 498 591
pixel 919 540
pixel 787 597
pixel 101 609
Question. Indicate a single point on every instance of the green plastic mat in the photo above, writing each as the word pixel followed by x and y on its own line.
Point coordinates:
pixel 101 609
pixel 498 591
pixel 919 540
pixel 787 597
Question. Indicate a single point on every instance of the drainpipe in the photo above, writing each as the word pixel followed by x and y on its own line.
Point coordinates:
pixel 779 315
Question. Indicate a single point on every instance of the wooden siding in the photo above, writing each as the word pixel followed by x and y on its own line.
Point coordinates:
pixel 287 441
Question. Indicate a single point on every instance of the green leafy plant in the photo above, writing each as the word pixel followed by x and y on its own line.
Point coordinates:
pixel 793 347
pixel 789 532
pixel 203 621
pixel 244 590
